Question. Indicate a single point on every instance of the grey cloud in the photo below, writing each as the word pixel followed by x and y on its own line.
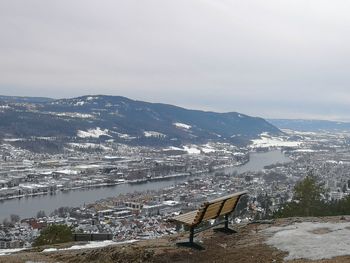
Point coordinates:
pixel 268 58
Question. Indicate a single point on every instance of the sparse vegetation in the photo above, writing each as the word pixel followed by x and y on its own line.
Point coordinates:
pixel 54 234
pixel 309 199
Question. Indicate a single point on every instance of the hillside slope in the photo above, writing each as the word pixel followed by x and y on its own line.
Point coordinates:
pixel 125 120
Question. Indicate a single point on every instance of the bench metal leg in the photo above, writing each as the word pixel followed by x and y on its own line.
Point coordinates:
pixel 191 235
pixel 191 243
pixel 226 229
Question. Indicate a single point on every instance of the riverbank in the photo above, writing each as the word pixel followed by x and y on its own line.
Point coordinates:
pixel 119 182
pixel 27 207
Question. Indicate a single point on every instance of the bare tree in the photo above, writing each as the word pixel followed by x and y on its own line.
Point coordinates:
pixel 40 214
pixel 6 222
pixel 14 218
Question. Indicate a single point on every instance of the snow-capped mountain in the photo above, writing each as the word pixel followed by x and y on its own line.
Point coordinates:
pixel 124 120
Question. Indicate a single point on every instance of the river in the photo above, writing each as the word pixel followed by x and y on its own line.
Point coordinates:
pixel 29 206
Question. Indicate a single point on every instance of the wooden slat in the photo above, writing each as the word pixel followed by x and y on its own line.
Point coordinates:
pixel 187 218
pixel 211 210
pixel 229 206
pixel 211 215
pixel 200 214
pixel 227 197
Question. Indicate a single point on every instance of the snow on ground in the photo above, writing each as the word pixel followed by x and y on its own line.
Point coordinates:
pixel 91 244
pixel 207 148
pixel 266 141
pixel 92 133
pixel 173 148
pixel 73 115
pixel 89 146
pixel 67 171
pixel 88 166
pixel 4 252
pixel 192 150
pixel 13 140
pixel 310 240
pixel 305 150
pixel 153 134
pixel 125 136
pixel 182 125
pixel 79 103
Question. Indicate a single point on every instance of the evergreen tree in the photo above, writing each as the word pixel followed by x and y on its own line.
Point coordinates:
pixel 54 234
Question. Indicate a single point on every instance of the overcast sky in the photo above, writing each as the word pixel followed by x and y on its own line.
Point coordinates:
pixel 269 58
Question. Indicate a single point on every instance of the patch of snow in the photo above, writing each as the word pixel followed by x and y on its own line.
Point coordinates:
pixel 125 136
pixel 91 244
pixel 170 202
pixel 50 250
pixel 4 252
pixel 67 171
pixel 182 125
pixel 191 150
pixel 207 148
pixel 173 148
pixel 301 240
pixel 92 133
pixel 153 134
pixel 73 115
pixel 267 141
pixel 13 140
pixel 79 103
pixel 305 150
pixel 87 166
pixel 89 145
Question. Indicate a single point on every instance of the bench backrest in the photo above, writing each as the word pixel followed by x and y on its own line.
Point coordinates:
pixel 217 207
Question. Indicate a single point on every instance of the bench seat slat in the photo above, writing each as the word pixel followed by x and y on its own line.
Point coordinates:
pixel 187 218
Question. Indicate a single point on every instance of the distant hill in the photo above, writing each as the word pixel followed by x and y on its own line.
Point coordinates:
pixel 124 120
pixel 310 125
pixel 18 99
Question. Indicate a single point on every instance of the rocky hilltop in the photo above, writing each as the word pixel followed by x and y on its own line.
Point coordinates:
pixel 294 240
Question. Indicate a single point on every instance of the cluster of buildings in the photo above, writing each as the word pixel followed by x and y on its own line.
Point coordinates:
pixel 145 215
pixel 23 173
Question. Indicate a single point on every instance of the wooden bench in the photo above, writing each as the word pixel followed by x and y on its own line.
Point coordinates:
pixel 213 209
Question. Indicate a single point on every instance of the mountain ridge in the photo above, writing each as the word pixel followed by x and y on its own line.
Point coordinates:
pixel 125 120
pixel 315 125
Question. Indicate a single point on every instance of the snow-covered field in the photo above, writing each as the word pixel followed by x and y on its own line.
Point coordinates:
pixel 192 150
pixel 153 134
pixel 89 145
pixel 206 148
pixel 92 133
pixel 310 240
pixel 267 141
pixel 72 115
pixel 182 125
